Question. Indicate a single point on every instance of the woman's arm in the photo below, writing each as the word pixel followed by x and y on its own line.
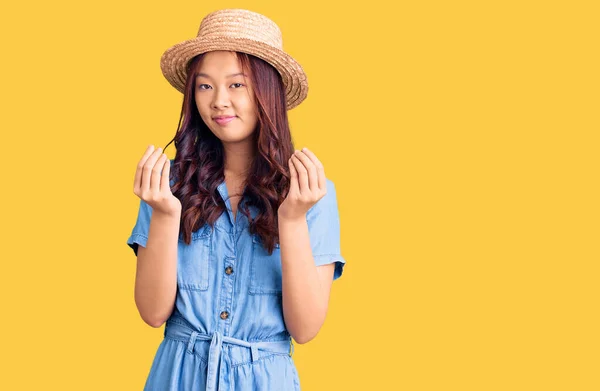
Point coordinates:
pixel 156 274
pixel 306 287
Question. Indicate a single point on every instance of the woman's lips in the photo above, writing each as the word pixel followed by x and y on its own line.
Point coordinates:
pixel 223 121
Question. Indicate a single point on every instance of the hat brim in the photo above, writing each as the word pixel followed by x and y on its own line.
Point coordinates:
pixel 175 59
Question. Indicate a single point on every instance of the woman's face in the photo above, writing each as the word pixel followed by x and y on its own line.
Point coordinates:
pixel 221 90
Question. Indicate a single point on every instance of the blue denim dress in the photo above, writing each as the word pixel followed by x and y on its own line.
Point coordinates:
pixel 227 330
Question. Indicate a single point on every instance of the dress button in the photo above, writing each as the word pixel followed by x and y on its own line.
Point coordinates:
pixel 224 315
pixel 228 270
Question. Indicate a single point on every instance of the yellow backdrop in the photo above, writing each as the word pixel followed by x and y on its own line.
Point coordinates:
pixel 462 137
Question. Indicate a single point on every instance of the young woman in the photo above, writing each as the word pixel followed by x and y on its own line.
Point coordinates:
pixel 237 238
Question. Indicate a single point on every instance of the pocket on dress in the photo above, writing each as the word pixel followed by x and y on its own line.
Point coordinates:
pixel 194 260
pixel 265 269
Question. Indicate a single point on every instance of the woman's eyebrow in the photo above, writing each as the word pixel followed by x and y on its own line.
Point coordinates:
pixel 232 75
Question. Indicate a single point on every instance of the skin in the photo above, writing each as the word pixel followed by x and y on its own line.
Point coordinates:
pixel 218 93
pixel 306 287
pixel 156 270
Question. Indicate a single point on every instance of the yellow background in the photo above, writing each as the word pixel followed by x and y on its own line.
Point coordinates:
pixel 462 137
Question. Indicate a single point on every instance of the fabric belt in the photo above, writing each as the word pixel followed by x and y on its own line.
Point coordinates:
pixel 179 330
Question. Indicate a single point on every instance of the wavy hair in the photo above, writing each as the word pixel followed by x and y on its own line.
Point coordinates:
pixel 199 159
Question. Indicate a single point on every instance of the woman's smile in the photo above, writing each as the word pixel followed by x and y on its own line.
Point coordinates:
pixel 224 121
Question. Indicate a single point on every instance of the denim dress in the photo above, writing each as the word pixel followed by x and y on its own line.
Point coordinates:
pixel 227 330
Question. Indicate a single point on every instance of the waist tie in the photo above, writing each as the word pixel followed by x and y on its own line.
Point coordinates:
pixel 179 330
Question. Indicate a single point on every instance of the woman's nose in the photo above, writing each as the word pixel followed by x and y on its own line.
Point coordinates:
pixel 220 98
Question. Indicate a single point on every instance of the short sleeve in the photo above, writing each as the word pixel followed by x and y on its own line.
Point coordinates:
pixel 324 231
pixel 139 234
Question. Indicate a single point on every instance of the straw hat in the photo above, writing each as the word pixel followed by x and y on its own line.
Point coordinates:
pixel 243 31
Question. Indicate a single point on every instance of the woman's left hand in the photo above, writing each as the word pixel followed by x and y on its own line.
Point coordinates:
pixel 307 185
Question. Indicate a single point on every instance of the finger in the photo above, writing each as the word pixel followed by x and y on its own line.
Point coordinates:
pixel 320 168
pixel 137 180
pixel 302 175
pixel 156 171
pixel 311 169
pixel 147 174
pixel 165 181
pixel 293 178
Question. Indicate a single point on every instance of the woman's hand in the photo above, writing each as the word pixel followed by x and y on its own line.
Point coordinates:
pixel 307 185
pixel 152 185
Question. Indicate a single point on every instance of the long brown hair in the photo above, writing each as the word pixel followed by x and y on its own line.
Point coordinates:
pixel 199 156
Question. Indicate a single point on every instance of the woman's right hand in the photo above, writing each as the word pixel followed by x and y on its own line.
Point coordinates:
pixel 152 185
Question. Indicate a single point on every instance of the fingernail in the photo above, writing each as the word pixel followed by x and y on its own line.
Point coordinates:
pixel 305 149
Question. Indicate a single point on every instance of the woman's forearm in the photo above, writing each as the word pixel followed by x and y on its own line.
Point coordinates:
pixel 156 274
pixel 304 304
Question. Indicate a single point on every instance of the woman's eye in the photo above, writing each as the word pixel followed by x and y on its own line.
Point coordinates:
pixel 201 85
